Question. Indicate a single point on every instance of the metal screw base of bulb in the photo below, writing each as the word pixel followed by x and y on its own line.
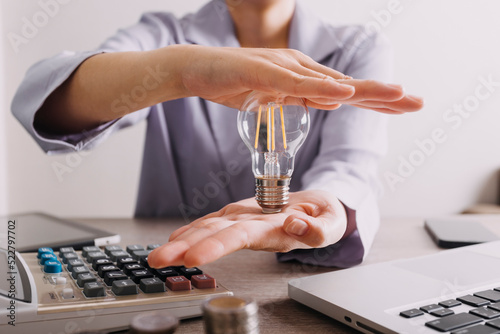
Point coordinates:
pixel 272 194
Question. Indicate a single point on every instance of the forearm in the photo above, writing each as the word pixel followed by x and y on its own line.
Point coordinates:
pixel 110 85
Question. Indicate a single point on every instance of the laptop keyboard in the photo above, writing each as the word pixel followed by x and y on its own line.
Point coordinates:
pixel 484 318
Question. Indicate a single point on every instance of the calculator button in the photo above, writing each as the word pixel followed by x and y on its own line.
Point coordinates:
pixel 52 267
pixel 112 276
pixel 137 275
pixel 450 303
pixel 486 313
pixel 60 280
pixel 79 270
pixel 46 257
pixel 100 262
pixel 94 289
pixel 118 255
pixel 128 268
pixel 473 301
pixel 44 250
pixel 89 249
pixel 152 285
pixel 85 278
pixel 112 248
pixel 91 256
pixel 67 293
pixel 494 323
pixel 138 254
pixel 430 308
pixel 411 313
pixel 126 260
pixel 107 268
pixel 69 256
pixel 203 281
pixel 165 272
pixel 144 262
pixel 453 322
pixel 63 250
pixel 133 248
pixel 124 287
pixel 188 272
pixel 75 263
pixel 491 295
pixel 152 246
pixel 178 283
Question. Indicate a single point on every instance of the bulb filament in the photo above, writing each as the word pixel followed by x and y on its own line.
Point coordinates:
pixel 271 127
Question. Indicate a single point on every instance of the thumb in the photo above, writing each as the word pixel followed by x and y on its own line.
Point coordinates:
pixel 314 232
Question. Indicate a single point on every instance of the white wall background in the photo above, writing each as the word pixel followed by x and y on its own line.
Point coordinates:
pixel 441 47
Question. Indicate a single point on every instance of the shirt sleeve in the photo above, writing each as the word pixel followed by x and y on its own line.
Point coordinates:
pixel 353 141
pixel 151 32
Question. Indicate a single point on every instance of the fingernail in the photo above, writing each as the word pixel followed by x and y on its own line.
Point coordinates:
pixel 398 87
pixel 415 98
pixel 297 227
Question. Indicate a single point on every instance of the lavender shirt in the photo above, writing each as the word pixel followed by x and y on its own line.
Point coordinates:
pixel 194 160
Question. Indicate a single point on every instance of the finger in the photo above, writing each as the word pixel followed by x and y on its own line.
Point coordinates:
pixel 371 90
pixel 317 67
pixel 315 231
pixel 225 242
pixel 380 110
pixel 290 83
pixel 406 104
pixel 178 232
pixel 170 254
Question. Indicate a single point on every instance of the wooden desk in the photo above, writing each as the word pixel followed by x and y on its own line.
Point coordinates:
pixel 259 275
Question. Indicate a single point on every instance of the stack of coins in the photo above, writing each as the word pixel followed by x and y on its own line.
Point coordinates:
pixel 231 315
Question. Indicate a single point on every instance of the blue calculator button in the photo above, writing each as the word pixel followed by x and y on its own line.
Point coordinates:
pixel 52 267
pixel 46 257
pixel 44 250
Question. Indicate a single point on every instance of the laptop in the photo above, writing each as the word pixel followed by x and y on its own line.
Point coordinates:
pixel 452 292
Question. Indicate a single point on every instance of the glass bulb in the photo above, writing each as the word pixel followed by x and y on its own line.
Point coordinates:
pixel 273 128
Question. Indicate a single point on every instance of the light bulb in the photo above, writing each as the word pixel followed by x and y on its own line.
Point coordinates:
pixel 273 128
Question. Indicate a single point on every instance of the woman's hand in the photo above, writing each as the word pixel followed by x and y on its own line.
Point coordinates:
pixel 312 219
pixel 227 75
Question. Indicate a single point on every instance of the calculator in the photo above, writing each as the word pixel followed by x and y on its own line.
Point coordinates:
pixel 94 289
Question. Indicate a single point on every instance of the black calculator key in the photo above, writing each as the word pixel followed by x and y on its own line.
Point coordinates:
pixel 453 322
pixel 69 256
pixel 153 246
pixel 473 301
pixel 486 313
pixel 112 276
pixel 63 250
pixel 132 248
pixel 138 254
pixel 491 295
pixel 112 248
pixel 101 262
pixel 107 268
pixel 137 275
pixel 188 272
pixel 165 272
pixel 411 313
pixel 94 289
pixel 494 323
pixel 91 256
pixel 124 287
pixel 75 263
pixel 152 285
pixel 478 329
pixel 450 303
pixel 85 278
pixel 143 261
pixel 495 306
pixel 442 312
pixel 79 270
pixel 116 255
pixel 128 268
pixel 126 260
pixel 89 249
